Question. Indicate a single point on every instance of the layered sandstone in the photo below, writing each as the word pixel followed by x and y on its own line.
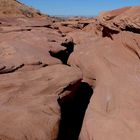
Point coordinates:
pixel 69 79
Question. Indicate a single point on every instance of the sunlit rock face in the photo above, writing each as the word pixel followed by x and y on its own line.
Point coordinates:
pixel 69 79
pixel 110 62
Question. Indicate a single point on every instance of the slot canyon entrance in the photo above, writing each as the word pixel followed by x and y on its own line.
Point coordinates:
pixel 73 108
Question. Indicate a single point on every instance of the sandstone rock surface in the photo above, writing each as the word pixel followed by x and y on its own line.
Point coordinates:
pixel 28 100
pixel 15 8
pixel 110 62
pixel 59 74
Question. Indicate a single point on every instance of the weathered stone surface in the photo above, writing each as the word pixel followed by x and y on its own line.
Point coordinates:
pixel 15 8
pixel 113 109
pixel 123 19
pixel 28 45
pixel 28 100
pixel 111 65
pixel 38 92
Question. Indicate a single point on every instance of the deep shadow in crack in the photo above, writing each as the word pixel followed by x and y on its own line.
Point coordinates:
pixel 132 29
pixel 73 107
pixel 107 32
pixel 63 55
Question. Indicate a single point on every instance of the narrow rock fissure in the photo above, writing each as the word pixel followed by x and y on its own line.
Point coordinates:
pixel 63 55
pixel 132 29
pixel 73 108
pixel 41 26
pixel 107 32
pixel 133 50
pixel 20 30
pixel 4 70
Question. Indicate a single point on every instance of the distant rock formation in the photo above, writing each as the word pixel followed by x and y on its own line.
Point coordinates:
pixel 15 8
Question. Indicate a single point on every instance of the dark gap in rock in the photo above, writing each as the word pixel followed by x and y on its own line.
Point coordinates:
pixel 107 32
pixel 36 63
pixel 131 29
pixel 79 26
pixel 133 50
pixel 41 26
pixel 63 35
pixel 10 70
pixel 44 65
pixel 39 13
pixel 55 27
pixel 59 32
pixel 73 107
pixel 63 55
pixel 48 26
pixel 115 24
pixel 25 30
pixel 3 67
pixel 85 24
pixel 65 24
pixel 20 30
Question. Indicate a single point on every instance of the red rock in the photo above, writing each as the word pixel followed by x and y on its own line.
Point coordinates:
pixel 22 45
pixel 123 19
pixel 111 65
pixel 103 53
pixel 16 8
pixel 29 108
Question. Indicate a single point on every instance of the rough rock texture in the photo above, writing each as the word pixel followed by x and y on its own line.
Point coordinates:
pixel 28 100
pixel 57 74
pixel 15 8
pixel 113 112
pixel 110 62
pixel 27 43
pixel 122 19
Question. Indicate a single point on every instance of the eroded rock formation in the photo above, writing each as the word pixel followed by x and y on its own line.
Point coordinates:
pixel 49 69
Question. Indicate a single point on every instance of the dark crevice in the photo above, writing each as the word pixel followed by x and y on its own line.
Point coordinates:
pixel 3 67
pixel 65 24
pixel 42 26
pixel 25 30
pixel 107 32
pixel 116 25
pixel 39 63
pixel 10 70
pixel 5 70
pixel 85 24
pixel 44 65
pixel 61 33
pixel 75 26
pixel 133 50
pixel 73 107
pixel 131 29
pixel 20 30
pixel 36 63
pixel 63 55
pixel 51 40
